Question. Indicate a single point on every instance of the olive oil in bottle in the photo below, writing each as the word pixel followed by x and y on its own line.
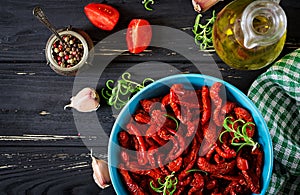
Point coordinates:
pixel 249 34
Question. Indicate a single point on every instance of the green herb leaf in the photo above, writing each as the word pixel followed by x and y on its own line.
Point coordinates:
pixel 146 4
pixel 118 95
pixel 203 32
pixel 196 170
pixel 174 119
pixel 168 187
pixel 239 133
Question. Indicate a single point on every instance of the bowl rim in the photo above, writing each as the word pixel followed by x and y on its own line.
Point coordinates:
pixel 229 88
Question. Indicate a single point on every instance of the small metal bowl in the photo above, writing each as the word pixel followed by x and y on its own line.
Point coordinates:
pixel 85 59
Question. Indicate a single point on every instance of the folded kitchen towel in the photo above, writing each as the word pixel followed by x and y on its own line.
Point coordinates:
pixel 276 93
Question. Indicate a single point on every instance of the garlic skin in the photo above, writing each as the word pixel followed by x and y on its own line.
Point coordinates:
pixel 203 5
pixel 86 100
pixel 101 173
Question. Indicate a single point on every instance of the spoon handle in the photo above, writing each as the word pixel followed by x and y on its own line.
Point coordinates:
pixel 39 14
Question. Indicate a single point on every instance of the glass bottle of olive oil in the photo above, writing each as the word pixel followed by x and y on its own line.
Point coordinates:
pixel 249 34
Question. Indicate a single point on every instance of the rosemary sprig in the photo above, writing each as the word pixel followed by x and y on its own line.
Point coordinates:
pixel 239 133
pixel 203 32
pixel 146 4
pixel 118 95
pixel 174 119
pixel 169 185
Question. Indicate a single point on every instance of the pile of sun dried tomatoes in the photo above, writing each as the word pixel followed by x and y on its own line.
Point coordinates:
pixel 178 149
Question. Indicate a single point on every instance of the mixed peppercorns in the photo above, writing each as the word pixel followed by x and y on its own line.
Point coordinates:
pixel 69 53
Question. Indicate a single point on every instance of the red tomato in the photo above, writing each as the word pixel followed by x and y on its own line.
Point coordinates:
pixel 101 15
pixel 139 34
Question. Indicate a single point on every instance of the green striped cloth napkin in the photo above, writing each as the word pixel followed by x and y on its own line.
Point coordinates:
pixel 276 93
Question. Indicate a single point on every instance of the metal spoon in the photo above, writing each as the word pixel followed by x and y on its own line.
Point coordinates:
pixel 39 14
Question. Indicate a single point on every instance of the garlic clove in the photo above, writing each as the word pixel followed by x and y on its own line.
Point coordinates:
pixel 101 173
pixel 203 5
pixel 86 100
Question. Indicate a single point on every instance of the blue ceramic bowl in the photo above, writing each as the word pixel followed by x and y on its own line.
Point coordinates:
pixel 160 88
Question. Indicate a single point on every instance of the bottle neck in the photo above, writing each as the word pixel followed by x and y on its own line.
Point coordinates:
pixel 263 23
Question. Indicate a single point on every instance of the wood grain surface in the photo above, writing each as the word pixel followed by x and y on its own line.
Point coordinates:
pixel 41 149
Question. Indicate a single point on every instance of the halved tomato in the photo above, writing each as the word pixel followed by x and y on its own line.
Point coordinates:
pixel 101 15
pixel 139 35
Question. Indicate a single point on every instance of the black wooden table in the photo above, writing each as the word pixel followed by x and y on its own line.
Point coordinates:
pixel 41 151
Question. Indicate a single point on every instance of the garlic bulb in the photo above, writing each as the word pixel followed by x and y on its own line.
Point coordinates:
pixel 101 173
pixel 86 100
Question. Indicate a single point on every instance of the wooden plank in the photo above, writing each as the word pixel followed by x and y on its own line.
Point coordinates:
pixel 24 38
pixel 48 170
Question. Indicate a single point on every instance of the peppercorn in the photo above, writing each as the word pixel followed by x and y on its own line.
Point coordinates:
pixel 66 39
pixel 56 50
